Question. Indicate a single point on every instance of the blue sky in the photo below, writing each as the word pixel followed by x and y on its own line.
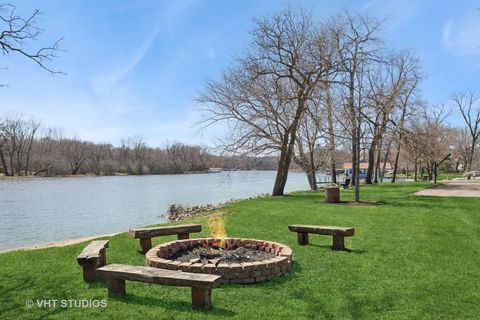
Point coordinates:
pixel 135 67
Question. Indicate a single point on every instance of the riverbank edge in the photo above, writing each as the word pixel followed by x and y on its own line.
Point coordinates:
pixel 61 243
pixel 184 212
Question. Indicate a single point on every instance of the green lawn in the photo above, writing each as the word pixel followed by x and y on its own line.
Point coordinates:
pixel 412 258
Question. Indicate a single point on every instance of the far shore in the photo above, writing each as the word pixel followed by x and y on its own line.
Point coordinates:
pixel 2 176
pixel 61 243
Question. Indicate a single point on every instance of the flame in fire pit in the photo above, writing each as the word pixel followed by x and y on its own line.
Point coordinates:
pixel 217 229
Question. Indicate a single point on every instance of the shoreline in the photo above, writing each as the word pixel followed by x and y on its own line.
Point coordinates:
pixel 126 175
pixel 181 212
pixel 61 243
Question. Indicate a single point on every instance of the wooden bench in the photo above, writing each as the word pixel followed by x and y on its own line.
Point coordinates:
pixel 201 284
pixel 146 234
pixel 346 183
pixel 338 234
pixel 93 256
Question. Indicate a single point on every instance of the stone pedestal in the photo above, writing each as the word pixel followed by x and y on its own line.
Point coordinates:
pixel 332 195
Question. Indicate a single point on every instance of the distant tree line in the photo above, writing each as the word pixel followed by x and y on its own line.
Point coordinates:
pixel 27 149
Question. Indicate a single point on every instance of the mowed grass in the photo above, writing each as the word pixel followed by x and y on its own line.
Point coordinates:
pixel 412 258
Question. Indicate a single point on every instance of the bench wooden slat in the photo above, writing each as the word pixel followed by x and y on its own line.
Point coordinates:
pixel 164 231
pixel 159 276
pixel 325 230
pixel 92 251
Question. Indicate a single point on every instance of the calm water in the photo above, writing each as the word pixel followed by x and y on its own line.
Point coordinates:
pixel 34 211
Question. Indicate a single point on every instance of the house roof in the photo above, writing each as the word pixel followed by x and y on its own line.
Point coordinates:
pixel 364 165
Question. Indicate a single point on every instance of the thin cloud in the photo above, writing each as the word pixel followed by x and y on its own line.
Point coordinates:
pixel 462 39
pixel 106 82
pixel 173 12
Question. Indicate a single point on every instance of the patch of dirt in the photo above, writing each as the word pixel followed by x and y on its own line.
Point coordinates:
pixel 453 188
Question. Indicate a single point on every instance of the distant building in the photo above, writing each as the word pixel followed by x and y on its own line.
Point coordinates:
pixel 347 168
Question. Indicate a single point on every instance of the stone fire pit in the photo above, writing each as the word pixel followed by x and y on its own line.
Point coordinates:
pixel 242 260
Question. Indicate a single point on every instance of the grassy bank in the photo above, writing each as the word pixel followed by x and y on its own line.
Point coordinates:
pixel 412 257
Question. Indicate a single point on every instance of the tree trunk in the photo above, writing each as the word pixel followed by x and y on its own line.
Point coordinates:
pixel 286 152
pixel 312 180
pixel 4 163
pixel 377 162
pixel 354 161
pixel 282 172
pixel 357 165
pixel 371 161
pixel 416 171
pixel 331 137
pixel 472 152
pixel 27 159
pixel 12 165
pixel 395 166
pixel 312 176
pixel 385 160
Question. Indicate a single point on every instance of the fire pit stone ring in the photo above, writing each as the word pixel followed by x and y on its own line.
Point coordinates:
pixel 278 263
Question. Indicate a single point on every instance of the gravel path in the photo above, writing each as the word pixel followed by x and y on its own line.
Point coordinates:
pixel 453 188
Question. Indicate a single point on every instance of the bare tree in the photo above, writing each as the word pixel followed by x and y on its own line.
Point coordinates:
pixel 75 152
pixel 97 155
pixel 264 97
pixel 16 140
pixel 330 110
pixel 46 153
pixel 3 147
pixel 357 42
pixel 140 153
pixel 307 152
pixel 469 107
pixel 427 138
pixel 17 33
pixel 461 142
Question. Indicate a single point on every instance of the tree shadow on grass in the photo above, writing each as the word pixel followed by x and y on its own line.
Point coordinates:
pixel 426 202
pixel 361 203
pixel 178 306
pixel 347 250
pixel 99 283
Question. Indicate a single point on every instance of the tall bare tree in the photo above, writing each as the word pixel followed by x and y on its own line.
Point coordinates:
pixel 468 103
pixel 307 152
pixel 264 97
pixel 426 137
pixel 358 44
pixel 75 152
pixel 16 141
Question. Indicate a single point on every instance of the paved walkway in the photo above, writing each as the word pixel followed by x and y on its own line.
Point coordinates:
pixel 454 188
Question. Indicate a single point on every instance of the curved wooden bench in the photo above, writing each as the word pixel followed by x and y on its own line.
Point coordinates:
pixel 202 284
pixel 146 234
pixel 338 233
pixel 93 256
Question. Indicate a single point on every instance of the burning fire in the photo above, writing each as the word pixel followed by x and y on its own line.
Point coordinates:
pixel 217 229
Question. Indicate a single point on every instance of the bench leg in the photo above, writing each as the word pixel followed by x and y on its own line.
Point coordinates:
pixel 338 243
pixel 145 244
pixel 182 236
pixel 116 287
pixel 201 298
pixel 302 238
pixel 103 258
pixel 89 272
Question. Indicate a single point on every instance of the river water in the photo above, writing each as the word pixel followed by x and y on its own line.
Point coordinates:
pixel 41 210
